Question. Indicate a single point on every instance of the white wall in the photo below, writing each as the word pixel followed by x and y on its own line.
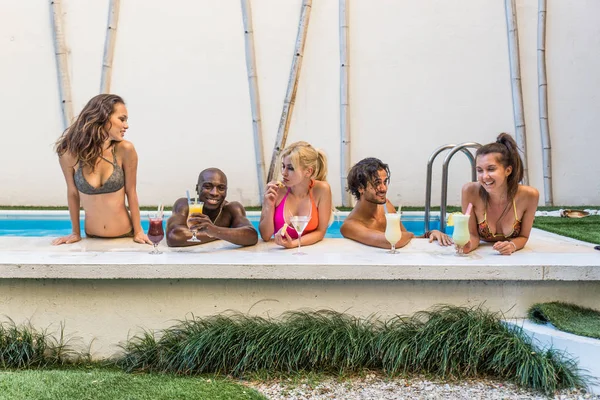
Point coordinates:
pixel 422 74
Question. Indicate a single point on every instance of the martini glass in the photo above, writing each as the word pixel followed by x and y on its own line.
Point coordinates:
pixel 299 223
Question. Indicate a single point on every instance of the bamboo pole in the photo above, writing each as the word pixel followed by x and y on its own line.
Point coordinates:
pixel 254 97
pixel 109 45
pixel 62 64
pixel 344 104
pixel 543 104
pixel 517 91
pixel 290 96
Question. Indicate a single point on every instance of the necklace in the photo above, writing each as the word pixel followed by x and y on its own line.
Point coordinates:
pixel 218 215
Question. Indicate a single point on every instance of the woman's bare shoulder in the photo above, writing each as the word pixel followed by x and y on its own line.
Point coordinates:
pixel 471 188
pixel 528 194
pixel 125 147
pixel 322 187
pixel 67 159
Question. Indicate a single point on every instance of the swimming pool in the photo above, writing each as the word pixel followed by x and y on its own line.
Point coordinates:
pixel 58 223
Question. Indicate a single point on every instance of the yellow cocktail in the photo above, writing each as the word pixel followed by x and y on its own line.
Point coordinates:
pixel 195 207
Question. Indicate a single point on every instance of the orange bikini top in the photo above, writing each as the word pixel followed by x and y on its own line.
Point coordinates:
pixel 484 229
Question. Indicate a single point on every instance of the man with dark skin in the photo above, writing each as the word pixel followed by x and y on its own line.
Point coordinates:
pixel 220 219
pixel 368 181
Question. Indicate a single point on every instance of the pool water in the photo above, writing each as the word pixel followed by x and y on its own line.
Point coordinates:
pixel 24 225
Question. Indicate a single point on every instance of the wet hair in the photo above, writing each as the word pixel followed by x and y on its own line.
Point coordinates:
pixel 303 155
pixel 364 172
pixel 85 137
pixel 508 155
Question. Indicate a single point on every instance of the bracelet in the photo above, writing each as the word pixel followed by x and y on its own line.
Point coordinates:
pixel 513 243
pixel 427 234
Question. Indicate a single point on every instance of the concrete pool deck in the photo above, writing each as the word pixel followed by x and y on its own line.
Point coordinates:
pixel 107 290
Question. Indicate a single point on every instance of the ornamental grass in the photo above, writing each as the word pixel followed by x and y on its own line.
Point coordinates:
pixel 447 342
pixel 25 347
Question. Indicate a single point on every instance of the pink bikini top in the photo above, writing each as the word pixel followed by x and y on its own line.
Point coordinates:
pixel 279 218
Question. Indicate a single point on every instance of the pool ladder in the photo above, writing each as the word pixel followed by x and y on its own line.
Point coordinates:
pixel 454 148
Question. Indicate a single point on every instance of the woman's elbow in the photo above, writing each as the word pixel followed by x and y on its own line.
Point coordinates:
pixel 265 236
pixel 320 234
pixel 73 193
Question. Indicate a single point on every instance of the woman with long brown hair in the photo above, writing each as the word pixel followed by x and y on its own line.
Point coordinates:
pixel 100 169
pixel 503 210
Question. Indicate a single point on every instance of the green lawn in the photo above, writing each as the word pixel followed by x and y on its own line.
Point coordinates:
pixel 567 317
pixel 586 229
pixel 107 384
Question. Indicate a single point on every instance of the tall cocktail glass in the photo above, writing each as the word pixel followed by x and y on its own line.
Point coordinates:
pixel 393 233
pixel 461 235
pixel 156 233
pixel 195 207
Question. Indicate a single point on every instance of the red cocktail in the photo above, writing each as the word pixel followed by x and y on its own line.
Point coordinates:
pixel 156 233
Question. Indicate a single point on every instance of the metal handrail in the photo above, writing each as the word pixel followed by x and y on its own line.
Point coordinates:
pixel 463 147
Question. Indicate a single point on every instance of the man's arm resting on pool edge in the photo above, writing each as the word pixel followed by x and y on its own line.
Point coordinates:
pixel 353 229
pixel 240 232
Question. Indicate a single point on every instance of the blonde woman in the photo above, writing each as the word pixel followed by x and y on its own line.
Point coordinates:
pixel 100 169
pixel 303 190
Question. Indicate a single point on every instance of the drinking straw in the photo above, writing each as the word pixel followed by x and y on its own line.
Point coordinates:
pixel 187 192
pixel 399 209
pixel 159 212
pixel 469 208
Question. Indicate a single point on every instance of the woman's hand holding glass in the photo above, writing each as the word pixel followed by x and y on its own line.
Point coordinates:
pixel 296 219
pixel 283 238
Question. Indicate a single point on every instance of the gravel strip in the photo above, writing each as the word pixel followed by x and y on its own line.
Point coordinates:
pixel 374 386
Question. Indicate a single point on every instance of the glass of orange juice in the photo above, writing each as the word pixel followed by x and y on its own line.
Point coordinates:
pixel 195 207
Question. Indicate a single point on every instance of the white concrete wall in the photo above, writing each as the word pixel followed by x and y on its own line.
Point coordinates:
pixel 103 313
pixel 423 74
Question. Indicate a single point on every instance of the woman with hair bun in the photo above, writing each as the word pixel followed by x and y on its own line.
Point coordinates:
pixel 100 169
pixel 302 191
pixel 503 210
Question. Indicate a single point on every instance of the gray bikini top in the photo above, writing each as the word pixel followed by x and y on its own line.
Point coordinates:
pixel 114 182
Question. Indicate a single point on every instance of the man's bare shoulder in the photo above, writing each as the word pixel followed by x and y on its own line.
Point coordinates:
pixel 180 206
pixel 235 208
pixel 356 217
